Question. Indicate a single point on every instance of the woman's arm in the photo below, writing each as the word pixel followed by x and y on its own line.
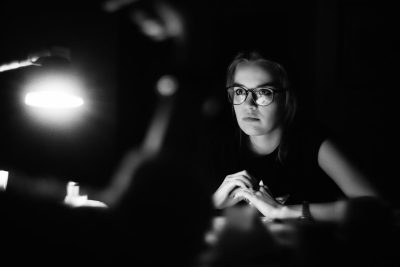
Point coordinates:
pixel 263 201
pixel 330 212
pixel 343 172
pixel 350 179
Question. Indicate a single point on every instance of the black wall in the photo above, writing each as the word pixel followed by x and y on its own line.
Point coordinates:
pixel 340 55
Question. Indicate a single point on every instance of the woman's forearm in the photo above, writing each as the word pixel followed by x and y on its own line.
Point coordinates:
pixel 332 211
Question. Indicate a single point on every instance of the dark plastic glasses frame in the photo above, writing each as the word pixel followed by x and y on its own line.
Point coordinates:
pixel 254 91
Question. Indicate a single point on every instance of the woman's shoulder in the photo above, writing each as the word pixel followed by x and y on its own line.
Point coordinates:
pixel 307 136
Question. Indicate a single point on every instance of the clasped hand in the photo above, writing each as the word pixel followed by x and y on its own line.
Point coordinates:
pixel 242 186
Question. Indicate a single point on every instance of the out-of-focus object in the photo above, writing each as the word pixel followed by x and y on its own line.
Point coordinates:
pixel 73 199
pixel 115 5
pixel 151 146
pixel 160 22
pixel 55 85
pixel 36 58
pixel 158 19
pixel 3 180
pixel 31 60
pixel 167 85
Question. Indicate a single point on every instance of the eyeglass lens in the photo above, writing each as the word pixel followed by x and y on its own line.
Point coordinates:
pixel 262 96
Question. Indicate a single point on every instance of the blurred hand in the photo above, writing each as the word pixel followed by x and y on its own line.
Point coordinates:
pixel 83 201
pixel 226 196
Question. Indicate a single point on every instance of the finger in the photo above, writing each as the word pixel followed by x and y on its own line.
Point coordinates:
pixel 223 198
pixel 225 191
pixel 235 174
pixel 244 194
pixel 245 180
pixel 262 189
pixel 236 183
pixel 262 185
pixel 240 178
pixel 237 198
pixel 243 173
pixel 246 175
pixel 267 197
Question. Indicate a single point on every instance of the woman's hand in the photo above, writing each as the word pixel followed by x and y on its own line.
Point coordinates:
pixel 262 200
pixel 226 196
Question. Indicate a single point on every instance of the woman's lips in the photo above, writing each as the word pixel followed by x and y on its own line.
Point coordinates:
pixel 250 119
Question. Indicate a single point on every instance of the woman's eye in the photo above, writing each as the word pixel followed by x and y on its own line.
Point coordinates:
pixel 240 91
pixel 265 92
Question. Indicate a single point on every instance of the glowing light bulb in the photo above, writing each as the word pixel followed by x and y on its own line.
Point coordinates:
pixel 52 99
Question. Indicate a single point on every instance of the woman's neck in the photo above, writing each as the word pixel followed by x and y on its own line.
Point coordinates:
pixel 267 143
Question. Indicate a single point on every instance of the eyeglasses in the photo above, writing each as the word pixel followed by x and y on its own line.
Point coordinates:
pixel 262 96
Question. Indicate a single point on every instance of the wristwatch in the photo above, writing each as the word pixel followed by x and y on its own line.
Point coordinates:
pixel 305 212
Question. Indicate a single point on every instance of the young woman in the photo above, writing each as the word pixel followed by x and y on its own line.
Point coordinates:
pixel 283 169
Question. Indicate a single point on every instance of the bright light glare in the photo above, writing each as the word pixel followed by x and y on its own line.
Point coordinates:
pixel 57 92
pixel 50 99
pixel 55 99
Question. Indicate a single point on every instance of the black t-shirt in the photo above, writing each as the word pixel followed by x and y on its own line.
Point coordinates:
pixel 296 177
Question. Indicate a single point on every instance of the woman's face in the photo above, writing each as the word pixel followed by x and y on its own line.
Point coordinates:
pixel 256 120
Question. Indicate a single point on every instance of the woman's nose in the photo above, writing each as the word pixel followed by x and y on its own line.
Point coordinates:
pixel 251 100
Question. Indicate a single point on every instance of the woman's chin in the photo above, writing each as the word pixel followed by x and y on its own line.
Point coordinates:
pixel 253 131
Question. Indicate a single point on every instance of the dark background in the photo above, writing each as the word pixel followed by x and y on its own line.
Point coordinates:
pixel 340 55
